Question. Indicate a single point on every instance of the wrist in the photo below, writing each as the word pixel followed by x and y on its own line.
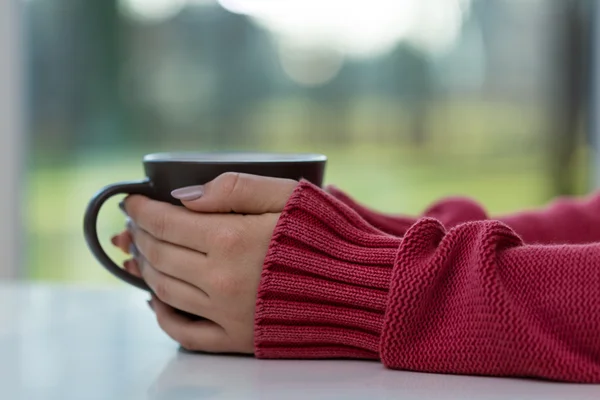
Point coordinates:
pixel 325 281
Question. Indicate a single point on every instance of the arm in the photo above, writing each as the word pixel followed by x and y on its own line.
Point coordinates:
pixel 450 211
pixel 565 220
pixel 476 300
pixel 470 300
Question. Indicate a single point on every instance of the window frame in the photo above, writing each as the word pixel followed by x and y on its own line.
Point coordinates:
pixel 12 138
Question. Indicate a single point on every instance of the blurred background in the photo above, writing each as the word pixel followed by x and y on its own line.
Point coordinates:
pixel 411 100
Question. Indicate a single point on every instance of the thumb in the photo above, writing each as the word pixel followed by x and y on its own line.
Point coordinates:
pixel 239 193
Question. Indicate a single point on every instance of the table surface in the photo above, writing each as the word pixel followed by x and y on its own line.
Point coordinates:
pixel 76 342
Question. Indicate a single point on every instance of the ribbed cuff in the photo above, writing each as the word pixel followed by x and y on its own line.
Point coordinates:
pixel 325 281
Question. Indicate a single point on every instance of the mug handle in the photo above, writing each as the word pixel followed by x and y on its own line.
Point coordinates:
pixel 90 226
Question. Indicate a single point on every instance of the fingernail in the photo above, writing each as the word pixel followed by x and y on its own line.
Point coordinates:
pixel 129 225
pixel 122 207
pixel 113 240
pixel 133 250
pixel 188 193
pixel 127 265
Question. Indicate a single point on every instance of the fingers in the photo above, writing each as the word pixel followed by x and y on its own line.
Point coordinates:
pixel 168 223
pixel 178 262
pixel 175 292
pixel 239 193
pixel 203 335
pixel 122 241
pixel 131 266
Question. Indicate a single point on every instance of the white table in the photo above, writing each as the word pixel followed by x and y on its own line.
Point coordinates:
pixel 65 342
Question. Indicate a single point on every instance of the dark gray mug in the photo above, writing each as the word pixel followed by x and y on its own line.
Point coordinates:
pixel 166 172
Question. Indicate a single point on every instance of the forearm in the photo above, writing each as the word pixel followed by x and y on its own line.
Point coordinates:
pixel 476 300
pixel 450 211
pixel 566 220
pixel 468 300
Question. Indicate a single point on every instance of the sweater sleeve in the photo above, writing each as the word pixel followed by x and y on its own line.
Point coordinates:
pixel 565 220
pixel 476 300
pixel 450 211
pixel 325 281
pixel 472 299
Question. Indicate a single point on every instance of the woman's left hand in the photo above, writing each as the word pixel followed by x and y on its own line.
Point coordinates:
pixel 207 258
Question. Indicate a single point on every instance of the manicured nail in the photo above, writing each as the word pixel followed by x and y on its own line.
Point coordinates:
pixel 122 207
pixel 188 193
pixel 133 250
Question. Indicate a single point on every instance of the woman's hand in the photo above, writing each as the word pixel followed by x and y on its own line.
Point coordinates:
pixel 206 258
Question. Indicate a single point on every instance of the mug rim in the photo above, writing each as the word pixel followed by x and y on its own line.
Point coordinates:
pixel 229 157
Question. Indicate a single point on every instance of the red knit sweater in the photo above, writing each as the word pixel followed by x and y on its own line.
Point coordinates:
pixel 450 292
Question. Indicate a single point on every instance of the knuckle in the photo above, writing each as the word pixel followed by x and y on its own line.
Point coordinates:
pixel 158 225
pixel 226 284
pixel 232 184
pixel 188 342
pixel 162 322
pixel 138 207
pixel 131 203
pixel 162 289
pixel 154 256
pixel 229 238
pixel 228 180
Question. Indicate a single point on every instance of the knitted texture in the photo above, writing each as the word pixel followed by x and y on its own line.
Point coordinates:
pixel 465 297
pixel 451 211
pixel 567 220
pixel 564 221
pixel 325 282
pixel 475 300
